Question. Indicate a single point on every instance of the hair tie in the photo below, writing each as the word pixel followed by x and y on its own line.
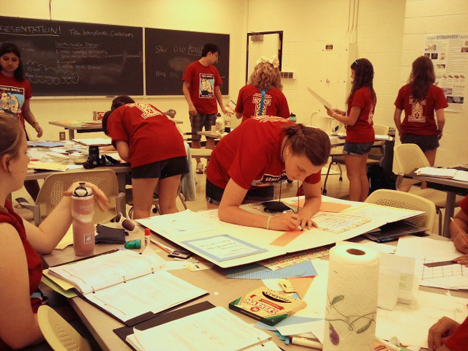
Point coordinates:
pixel 273 61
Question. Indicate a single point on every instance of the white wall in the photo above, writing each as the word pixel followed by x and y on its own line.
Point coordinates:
pixel 438 17
pixel 226 17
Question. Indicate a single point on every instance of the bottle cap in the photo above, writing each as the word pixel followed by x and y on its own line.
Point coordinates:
pixel 133 244
pixel 82 191
pixel 147 232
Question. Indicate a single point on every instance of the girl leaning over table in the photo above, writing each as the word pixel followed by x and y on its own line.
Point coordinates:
pixel 262 96
pixel 151 142
pixel 359 127
pixel 259 152
pixel 21 242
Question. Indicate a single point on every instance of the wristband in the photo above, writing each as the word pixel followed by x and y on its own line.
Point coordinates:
pixel 268 223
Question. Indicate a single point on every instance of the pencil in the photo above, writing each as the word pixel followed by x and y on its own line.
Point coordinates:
pixel 459 230
pixel 163 247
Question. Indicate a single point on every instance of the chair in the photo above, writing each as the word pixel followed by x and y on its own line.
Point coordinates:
pixel 407 157
pixel 394 198
pixel 60 335
pixel 54 186
pixel 375 155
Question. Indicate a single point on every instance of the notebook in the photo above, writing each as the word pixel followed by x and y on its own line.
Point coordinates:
pixel 392 231
pixel 128 286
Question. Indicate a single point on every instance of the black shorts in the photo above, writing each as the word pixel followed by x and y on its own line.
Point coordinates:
pixel 215 193
pixel 162 169
pixel 199 121
pixel 425 142
pixel 357 149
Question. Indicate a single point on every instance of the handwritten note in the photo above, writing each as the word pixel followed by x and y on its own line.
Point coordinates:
pixel 338 223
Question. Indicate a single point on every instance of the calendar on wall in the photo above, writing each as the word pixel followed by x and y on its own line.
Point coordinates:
pixel 449 54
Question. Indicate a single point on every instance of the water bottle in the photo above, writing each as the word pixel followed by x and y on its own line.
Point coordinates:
pixel 83 226
pixel 227 123
pixel 219 123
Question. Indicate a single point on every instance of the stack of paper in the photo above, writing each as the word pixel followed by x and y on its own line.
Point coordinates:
pixel 437 172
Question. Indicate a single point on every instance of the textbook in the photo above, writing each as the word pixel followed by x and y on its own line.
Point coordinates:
pixel 214 329
pixel 129 286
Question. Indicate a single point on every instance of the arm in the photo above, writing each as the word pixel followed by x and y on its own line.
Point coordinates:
pixel 313 200
pixel 440 116
pixel 348 120
pixel 440 331
pixel 397 120
pixel 458 232
pixel 229 211
pixel 123 149
pixel 238 115
pixel 18 323
pixel 49 233
pixel 186 91
pixel 29 117
pixel 219 98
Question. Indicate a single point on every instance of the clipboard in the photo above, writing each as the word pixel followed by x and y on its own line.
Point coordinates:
pixel 319 98
pixel 123 332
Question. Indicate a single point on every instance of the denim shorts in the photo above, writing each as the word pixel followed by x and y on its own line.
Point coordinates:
pixel 199 121
pixel 215 193
pixel 425 142
pixel 357 149
pixel 162 169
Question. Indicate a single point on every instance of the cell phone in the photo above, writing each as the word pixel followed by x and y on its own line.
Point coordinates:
pixel 275 206
pixel 182 254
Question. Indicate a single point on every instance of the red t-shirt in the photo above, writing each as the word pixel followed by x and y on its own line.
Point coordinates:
pixel 203 81
pixel 151 135
pixel 419 115
pixel 464 205
pixel 274 103
pixel 363 130
pixel 251 155
pixel 458 341
pixel 32 258
pixel 13 95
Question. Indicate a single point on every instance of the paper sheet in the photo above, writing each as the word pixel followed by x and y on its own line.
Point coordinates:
pixel 255 271
pixel 290 260
pixel 338 223
pixel 319 98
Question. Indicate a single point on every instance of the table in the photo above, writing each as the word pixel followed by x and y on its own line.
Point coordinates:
pixel 84 126
pixel 451 187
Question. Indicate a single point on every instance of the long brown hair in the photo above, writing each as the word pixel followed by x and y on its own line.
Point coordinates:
pixel 364 77
pixel 10 134
pixel 309 141
pixel 422 77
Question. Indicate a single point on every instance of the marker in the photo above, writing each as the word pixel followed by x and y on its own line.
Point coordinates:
pixel 298 227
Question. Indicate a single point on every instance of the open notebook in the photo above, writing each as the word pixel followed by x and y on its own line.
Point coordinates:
pixel 128 286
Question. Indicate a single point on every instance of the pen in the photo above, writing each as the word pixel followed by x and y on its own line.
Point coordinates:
pixel 163 247
pixel 299 227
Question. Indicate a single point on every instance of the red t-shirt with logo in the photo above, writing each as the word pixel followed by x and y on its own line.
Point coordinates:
pixel 203 81
pixel 251 155
pixel 13 95
pixel 419 115
pixel 151 135
pixel 363 130
pixel 274 103
pixel 32 258
pixel 458 341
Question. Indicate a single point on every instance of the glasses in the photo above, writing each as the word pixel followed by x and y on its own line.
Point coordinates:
pixel 125 223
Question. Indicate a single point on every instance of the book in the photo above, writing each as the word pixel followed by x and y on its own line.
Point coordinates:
pixel 128 286
pixel 213 329
pixel 267 306
pixel 392 231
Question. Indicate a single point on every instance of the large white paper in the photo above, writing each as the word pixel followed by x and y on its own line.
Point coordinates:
pixel 319 98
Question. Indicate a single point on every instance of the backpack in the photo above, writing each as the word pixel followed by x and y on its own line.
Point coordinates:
pixel 380 178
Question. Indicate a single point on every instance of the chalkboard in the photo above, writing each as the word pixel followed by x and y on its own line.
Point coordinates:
pixel 168 52
pixel 77 59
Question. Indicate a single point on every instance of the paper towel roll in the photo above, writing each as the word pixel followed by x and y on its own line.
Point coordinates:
pixel 351 309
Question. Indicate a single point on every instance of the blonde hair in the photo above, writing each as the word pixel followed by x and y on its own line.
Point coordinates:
pixel 10 134
pixel 265 76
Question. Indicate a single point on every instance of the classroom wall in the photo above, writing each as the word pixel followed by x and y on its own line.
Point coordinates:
pixel 423 17
pixel 226 17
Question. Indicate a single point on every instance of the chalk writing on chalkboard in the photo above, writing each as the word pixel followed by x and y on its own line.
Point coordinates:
pixel 68 58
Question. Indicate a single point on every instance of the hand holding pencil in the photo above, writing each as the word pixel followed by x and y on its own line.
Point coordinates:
pixel 459 237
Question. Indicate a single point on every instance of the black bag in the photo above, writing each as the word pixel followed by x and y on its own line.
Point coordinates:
pixel 380 178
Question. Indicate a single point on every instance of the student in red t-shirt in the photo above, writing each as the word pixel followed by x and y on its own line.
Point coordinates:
pixel 263 96
pixel 201 88
pixel 21 242
pixel 150 141
pixel 448 335
pixel 259 152
pixel 419 99
pixel 359 127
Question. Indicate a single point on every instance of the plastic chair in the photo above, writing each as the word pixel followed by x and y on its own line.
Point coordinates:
pixel 60 335
pixel 394 198
pixel 375 155
pixel 54 186
pixel 408 157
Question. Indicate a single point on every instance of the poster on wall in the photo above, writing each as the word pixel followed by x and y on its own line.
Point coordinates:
pixel 449 54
